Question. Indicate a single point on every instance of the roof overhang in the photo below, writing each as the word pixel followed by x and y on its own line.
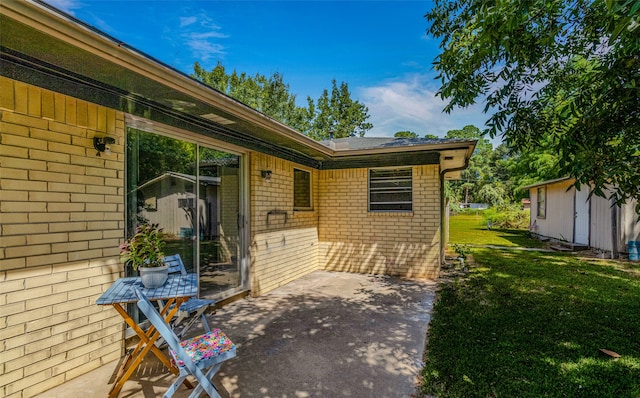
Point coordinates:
pixel 43 46
pixel 548 182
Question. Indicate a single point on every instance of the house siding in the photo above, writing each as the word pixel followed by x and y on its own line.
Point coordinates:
pixel 559 220
pixel 352 239
pixel 62 211
pixel 283 248
pixel 628 227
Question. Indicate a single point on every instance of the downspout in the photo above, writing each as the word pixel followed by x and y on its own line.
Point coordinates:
pixel 442 203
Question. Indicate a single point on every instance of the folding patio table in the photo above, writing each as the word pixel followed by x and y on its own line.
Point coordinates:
pixel 177 289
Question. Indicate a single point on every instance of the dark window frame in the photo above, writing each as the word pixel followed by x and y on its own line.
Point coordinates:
pixel 302 201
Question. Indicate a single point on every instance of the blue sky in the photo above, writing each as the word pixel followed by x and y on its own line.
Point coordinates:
pixel 380 48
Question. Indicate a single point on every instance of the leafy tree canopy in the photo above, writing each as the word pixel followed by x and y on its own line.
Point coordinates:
pixel 335 113
pixel 406 134
pixel 564 74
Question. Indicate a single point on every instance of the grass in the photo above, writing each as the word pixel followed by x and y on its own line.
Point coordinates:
pixel 531 324
pixel 472 229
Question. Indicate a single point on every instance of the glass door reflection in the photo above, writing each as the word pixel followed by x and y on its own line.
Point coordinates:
pixel 218 223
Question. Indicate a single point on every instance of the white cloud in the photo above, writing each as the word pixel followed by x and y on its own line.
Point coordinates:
pixel 410 103
pixel 186 21
pixel 65 5
pixel 201 35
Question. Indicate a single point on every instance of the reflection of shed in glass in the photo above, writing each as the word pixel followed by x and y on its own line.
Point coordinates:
pixel 169 200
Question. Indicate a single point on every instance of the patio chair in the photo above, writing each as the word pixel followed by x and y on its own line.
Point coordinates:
pixel 194 309
pixel 200 356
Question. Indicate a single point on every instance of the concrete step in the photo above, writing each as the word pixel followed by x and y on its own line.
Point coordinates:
pixel 561 248
pixel 574 246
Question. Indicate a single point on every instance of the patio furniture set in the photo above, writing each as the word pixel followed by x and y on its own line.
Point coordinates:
pixel 178 310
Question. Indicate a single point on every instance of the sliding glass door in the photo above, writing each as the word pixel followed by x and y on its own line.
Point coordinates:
pixel 219 221
pixel 194 193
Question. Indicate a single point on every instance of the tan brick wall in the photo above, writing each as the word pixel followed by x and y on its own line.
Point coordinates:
pixel 355 240
pixel 62 218
pixel 284 248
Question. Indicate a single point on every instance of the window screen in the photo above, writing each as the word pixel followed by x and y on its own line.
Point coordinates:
pixel 542 202
pixel 391 189
pixel 301 190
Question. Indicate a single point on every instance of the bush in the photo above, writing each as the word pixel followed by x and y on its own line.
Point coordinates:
pixel 509 216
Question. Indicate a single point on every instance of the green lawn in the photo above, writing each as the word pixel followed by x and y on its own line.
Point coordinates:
pixel 531 324
pixel 472 229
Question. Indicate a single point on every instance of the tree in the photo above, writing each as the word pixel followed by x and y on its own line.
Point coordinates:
pixel 431 136
pixel 405 134
pixel 479 172
pixel 561 75
pixel 269 95
pixel 338 114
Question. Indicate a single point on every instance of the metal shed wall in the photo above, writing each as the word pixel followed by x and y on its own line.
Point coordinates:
pixel 558 222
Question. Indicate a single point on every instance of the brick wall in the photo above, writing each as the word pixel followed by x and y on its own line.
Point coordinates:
pixel 62 218
pixel 355 240
pixel 284 248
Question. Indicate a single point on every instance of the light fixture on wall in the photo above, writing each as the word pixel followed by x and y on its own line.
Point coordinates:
pixel 101 144
pixel 266 175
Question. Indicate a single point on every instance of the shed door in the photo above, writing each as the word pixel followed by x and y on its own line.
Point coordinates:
pixel 581 222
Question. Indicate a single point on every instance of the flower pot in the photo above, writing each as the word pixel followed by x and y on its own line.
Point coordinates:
pixel 153 277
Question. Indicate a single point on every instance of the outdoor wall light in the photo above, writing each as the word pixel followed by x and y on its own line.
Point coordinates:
pixel 266 174
pixel 101 144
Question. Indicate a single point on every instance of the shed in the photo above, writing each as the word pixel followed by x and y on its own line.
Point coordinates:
pixel 560 211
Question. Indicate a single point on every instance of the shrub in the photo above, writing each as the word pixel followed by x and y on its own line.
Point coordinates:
pixel 509 216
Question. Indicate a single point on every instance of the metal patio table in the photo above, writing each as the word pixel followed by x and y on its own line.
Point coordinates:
pixel 176 290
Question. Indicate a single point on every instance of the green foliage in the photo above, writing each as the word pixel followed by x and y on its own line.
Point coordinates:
pixel 335 113
pixel 406 134
pixel 493 194
pixel 431 136
pixel 559 76
pixel 338 114
pixel 471 186
pixel 510 216
pixel 462 251
pixel 495 176
pixel 144 249
pixel 526 324
pixel 161 154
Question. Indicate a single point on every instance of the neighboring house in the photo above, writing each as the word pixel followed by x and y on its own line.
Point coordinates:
pixel 561 212
pixel 96 137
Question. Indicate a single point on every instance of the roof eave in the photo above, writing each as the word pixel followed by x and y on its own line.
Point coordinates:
pixel 548 182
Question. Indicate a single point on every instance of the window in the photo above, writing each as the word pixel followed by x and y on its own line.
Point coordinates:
pixel 302 190
pixel 542 202
pixel 391 189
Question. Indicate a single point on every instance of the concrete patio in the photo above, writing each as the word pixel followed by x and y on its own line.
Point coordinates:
pixel 326 334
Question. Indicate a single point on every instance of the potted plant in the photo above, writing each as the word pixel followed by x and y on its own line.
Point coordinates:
pixel 144 252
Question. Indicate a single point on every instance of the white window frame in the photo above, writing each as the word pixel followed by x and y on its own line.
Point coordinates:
pixel 390 206
pixel 541 205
